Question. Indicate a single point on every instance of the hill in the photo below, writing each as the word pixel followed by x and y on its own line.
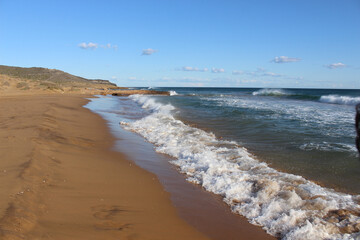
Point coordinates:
pixel 36 80
pixel 44 79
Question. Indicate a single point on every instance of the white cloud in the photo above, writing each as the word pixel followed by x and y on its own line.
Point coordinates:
pixel 295 78
pixel 194 69
pixel 248 81
pixel 271 74
pixel 237 72
pixel 92 45
pixel 109 45
pixel 335 65
pixel 148 51
pixel 217 70
pixel 89 45
pixel 260 72
pixel 106 46
pixel 182 79
pixel 284 59
pixel 191 79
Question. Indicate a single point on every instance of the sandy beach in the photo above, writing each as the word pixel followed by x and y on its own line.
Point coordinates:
pixel 61 176
pixel 166 120
pixel 59 180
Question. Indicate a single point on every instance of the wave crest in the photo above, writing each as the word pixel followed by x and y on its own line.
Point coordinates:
pixel 343 100
pixel 286 205
pixel 270 92
pixel 151 104
pixel 173 93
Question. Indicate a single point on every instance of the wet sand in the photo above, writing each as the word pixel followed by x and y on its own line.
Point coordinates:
pixel 205 211
pixel 59 178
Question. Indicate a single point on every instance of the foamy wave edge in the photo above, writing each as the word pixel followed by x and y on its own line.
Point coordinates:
pixel 344 100
pixel 285 205
pixel 270 92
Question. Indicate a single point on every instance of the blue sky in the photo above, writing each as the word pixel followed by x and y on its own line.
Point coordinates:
pixel 257 43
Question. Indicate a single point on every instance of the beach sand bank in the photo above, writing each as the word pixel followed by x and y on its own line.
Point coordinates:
pixel 59 178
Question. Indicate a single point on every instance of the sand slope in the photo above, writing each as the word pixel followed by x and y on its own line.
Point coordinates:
pixel 60 180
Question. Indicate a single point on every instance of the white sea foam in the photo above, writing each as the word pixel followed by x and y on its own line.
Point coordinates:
pixel 173 93
pixel 270 92
pixel 285 205
pixel 345 100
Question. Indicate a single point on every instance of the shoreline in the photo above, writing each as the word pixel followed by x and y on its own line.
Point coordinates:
pixel 285 205
pixel 202 209
pixel 61 180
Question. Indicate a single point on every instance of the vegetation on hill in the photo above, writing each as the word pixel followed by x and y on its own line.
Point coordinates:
pixel 49 75
pixel 44 79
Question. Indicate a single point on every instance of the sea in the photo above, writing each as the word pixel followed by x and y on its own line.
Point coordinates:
pixel 283 158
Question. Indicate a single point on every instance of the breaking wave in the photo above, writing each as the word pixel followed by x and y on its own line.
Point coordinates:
pixel 285 205
pixel 271 92
pixel 344 100
pixel 173 93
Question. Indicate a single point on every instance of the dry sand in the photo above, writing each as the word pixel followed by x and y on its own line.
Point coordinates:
pixel 60 180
